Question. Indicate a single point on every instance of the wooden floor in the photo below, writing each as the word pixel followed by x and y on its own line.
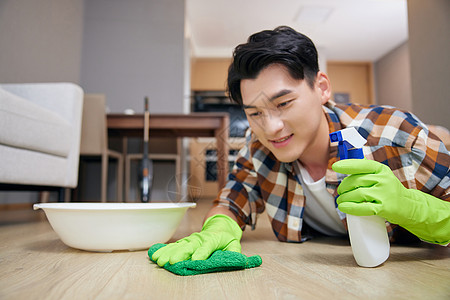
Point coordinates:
pixel 35 264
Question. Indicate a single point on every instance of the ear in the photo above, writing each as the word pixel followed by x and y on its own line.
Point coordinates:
pixel 323 86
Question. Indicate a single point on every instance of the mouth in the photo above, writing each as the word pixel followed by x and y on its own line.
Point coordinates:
pixel 282 141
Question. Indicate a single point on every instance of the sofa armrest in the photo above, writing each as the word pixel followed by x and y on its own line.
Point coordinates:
pixel 65 99
pixel 49 95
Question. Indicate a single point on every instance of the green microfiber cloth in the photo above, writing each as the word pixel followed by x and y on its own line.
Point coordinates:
pixel 219 261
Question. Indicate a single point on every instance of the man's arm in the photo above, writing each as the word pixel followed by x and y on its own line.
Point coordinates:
pixel 221 229
pixel 372 189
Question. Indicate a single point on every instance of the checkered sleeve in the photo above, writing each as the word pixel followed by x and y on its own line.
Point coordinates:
pixel 427 171
pixel 401 141
pixel 398 139
pixel 416 156
pixel 241 194
pixel 433 160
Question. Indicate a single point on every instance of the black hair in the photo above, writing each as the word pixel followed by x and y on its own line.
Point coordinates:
pixel 284 46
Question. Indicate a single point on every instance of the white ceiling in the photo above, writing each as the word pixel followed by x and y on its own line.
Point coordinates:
pixel 353 30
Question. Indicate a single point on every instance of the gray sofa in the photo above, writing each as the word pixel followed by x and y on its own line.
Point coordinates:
pixel 40 128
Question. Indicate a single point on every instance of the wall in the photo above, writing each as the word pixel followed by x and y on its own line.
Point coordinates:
pixel 125 49
pixel 209 74
pixel 129 49
pixel 40 40
pixel 353 79
pixel 133 49
pixel 393 78
pixel 429 46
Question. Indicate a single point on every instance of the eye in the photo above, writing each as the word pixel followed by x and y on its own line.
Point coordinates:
pixel 284 104
pixel 255 114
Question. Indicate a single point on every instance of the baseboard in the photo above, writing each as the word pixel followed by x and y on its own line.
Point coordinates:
pixel 16 206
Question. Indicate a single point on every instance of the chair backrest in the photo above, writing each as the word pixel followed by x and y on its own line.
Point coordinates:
pixel 94 139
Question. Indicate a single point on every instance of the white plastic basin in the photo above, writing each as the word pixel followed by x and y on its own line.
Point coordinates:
pixel 105 227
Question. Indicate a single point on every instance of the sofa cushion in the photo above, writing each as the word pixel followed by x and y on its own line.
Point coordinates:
pixel 29 126
pixel 28 167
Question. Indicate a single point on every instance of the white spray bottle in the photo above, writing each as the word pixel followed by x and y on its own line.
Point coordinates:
pixel 368 234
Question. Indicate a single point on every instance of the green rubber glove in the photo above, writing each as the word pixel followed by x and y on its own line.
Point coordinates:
pixel 219 261
pixel 373 189
pixel 219 232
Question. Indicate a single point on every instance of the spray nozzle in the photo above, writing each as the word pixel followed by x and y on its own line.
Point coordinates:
pixel 350 143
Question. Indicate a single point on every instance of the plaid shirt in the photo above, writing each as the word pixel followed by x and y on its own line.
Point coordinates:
pixel 396 138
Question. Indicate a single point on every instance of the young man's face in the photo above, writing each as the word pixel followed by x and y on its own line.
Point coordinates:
pixel 285 113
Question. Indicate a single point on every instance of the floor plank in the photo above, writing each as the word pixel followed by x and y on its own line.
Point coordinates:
pixel 35 264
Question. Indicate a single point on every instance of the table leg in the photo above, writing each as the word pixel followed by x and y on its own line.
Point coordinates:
pixel 222 135
pixel 127 172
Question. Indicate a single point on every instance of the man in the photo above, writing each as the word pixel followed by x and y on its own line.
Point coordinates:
pixel 290 169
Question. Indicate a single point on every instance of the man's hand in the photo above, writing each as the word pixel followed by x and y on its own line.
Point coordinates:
pixel 372 189
pixel 219 232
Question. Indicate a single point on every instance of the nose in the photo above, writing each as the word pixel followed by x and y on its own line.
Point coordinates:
pixel 273 124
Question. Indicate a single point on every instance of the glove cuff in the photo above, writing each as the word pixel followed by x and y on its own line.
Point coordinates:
pixel 223 222
pixel 431 218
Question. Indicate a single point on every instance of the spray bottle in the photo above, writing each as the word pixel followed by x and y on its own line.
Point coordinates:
pixel 368 234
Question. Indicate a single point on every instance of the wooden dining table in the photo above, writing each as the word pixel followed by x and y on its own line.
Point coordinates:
pixel 178 125
pixel 36 264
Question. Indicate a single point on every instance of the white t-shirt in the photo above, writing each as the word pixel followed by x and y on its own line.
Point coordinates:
pixel 320 210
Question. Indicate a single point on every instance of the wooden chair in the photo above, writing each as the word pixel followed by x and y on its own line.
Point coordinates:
pixel 162 149
pixel 94 141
